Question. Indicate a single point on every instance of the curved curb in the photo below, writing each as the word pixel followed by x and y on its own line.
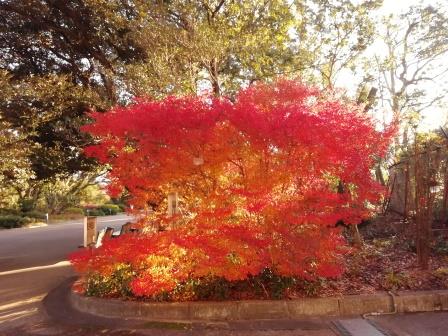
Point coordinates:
pixel 401 302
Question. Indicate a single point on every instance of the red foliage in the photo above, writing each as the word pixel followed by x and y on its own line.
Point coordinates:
pixel 265 195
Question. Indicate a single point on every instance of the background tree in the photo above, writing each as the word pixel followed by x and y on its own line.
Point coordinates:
pixel 224 45
pixel 215 44
pixel 63 192
pixel 13 146
pixel 331 36
pixel 411 75
pixel 71 56
pixel 61 59
pixel 43 114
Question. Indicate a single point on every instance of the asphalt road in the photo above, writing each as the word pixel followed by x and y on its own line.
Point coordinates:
pixel 33 261
pixel 28 247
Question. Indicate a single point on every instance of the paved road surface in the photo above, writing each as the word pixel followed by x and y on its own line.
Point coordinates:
pixel 32 262
pixel 28 247
pixel 34 282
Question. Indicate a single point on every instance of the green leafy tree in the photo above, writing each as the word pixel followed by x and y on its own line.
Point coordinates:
pixel 331 37
pixel 41 116
pixel 62 58
pixel 59 59
pixel 224 45
pixel 68 191
pixel 215 44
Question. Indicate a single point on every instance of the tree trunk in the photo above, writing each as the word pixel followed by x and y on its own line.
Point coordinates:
pixel 356 236
pixel 214 77
pixel 379 174
pixel 353 229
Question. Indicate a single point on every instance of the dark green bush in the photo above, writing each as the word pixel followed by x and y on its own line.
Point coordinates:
pixel 27 205
pixel 4 212
pixel 12 221
pixel 95 212
pixel 74 211
pixel 310 288
pixel 210 288
pixel 267 285
pixel 35 214
pixel 110 209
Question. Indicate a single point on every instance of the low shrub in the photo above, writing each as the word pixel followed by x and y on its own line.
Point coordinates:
pixel 394 280
pixel 266 285
pixel 12 221
pixel 441 245
pixel 95 212
pixel 122 207
pixel 110 209
pixel 114 284
pixel 311 288
pixel 5 211
pixel 27 205
pixel 35 214
pixel 74 211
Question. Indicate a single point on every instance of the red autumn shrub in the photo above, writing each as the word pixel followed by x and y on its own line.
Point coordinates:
pixel 257 178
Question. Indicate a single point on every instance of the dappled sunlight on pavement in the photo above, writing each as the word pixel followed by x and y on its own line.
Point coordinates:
pixel 64 263
pixel 22 293
pixel 19 309
pixel 35 303
pixel 61 330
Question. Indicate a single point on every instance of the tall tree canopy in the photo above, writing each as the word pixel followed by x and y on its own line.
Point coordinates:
pixel 412 72
pixel 331 36
pixel 63 58
pixel 59 60
pixel 219 44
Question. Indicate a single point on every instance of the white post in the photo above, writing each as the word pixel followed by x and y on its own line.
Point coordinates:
pixel 99 240
pixel 198 161
pixel 173 204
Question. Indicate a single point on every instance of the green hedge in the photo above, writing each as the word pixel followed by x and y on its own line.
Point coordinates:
pixel 109 209
pixel 12 221
pixel 6 212
pixel 74 211
pixel 102 210
pixel 95 212
pixel 35 214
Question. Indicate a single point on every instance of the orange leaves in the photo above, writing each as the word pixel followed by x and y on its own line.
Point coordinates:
pixel 257 179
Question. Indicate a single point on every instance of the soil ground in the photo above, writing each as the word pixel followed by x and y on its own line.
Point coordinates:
pixel 388 261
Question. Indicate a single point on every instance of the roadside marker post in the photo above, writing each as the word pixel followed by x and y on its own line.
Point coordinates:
pixel 89 230
pixel 173 204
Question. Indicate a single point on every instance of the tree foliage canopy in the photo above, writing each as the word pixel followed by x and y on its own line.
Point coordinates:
pixel 258 180
pixel 62 58
pixel 416 42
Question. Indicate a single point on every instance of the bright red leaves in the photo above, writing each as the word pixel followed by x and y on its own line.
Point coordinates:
pixel 257 179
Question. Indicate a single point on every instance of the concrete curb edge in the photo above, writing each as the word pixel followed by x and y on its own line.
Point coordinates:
pixel 401 302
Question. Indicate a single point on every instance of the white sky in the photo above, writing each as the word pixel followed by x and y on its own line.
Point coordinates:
pixel 391 6
pixel 433 117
